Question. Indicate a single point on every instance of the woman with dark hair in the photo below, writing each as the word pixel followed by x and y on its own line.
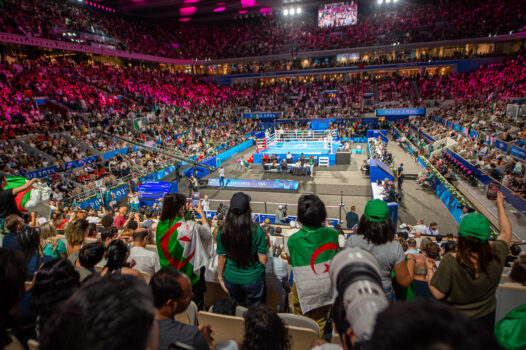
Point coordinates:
pixel 242 254
pixel 375 234
pixel 117 255
pixel 13 273
pixel 29 243
pixel 54 283
pixel 310 251
pixel 468 279
pixel 178 238
pixel 264 330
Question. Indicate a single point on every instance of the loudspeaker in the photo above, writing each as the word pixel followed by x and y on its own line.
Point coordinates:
pixel 343 158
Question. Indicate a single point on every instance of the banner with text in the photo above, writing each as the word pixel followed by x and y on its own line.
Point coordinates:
pixel 81 162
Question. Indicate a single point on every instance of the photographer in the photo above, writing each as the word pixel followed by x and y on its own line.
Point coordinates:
pixel 281 215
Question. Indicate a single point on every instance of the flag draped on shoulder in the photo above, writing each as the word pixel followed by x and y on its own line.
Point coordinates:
pixel 311 251
pixel 180 248
pixel 23 197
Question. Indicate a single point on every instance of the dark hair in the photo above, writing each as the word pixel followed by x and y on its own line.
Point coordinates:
pixel 438 238
pixel 376 232
pixel 29 241
pixel 518 270
pixel 92 230
pixel 432 250
pixel 468 247
pixel 110 313
pixel 108 232
pixel 515 249
pixel 311 210
pixel 107 220
pixel 116 255
pixel 91 253
pixel 433 224
pixel 450 235
pixel 54 283
pixel 13 273
pixel 132 225
pixel 277 230
pixel 403 235
pixel 172 204
pixel 264 330
pixel 425 324
pixel 164 286
pixel 411 242
pixel 450 247
pixel 236 237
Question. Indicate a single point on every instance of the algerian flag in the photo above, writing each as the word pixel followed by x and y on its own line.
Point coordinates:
pixel 180 247
pixel 21 198
pixel 311 251
pixel 137 124
pixel 34 199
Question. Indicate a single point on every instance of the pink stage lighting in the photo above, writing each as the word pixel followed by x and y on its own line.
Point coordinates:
pixel 243 12
pixel 190 1
pixel 248 3
pixel 184 19
pixel 187 11
pixel 220 9
pixel 265 10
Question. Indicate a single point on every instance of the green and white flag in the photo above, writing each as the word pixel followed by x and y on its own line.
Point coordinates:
pixel 180 245
pixel 311 251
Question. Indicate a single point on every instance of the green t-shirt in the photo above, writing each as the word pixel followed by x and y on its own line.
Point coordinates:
pixel 60 248
pixel 474 297
pixel 238 275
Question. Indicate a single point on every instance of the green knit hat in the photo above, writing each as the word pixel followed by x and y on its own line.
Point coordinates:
pixel 376 210
pixel 475 225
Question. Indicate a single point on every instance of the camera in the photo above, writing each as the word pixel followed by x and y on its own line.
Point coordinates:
pixel 355 274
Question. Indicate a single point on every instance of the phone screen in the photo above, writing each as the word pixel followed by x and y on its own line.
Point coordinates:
pixel 195 199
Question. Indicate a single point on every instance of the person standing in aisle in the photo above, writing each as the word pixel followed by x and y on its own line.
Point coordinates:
pixel 221 177
pixel 400 176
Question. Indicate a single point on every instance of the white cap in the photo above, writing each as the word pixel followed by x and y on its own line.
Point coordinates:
pixel 292 224
pixel 280 207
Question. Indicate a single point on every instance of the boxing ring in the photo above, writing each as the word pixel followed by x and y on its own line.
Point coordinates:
pixel 319 144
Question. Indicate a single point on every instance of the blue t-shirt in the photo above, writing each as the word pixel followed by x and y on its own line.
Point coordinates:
pixel 10 241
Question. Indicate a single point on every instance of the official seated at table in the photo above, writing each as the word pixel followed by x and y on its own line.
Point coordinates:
pixel 289 158
pixel 284 166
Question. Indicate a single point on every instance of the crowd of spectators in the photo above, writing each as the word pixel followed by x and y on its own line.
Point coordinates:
pixel 413 22
pixel 77 254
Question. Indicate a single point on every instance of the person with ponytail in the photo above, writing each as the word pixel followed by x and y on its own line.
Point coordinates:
pixel 117 255
pixel 242 254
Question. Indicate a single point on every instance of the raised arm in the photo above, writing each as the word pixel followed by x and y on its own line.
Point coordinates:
pixel 504 221
pixel 24 187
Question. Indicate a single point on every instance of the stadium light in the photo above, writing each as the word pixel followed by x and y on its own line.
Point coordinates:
pixel 380 2
pixel 298 10
pixel 286 12
pixel 387 1
pixel 292 11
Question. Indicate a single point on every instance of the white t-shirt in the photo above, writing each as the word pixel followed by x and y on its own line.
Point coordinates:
pixel 145 260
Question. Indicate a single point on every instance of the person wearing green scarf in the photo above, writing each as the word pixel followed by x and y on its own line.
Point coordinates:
pixel 468 279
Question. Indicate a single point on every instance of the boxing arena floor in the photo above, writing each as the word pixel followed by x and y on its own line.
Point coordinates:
pixel 332 184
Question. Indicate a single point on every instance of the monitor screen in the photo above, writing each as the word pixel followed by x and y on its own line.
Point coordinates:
pixel 338 14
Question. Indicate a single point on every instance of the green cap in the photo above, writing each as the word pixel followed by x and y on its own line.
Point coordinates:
pixel 474 225
pixel 376 210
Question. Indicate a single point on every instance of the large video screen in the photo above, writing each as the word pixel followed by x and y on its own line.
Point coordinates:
pixel 338 14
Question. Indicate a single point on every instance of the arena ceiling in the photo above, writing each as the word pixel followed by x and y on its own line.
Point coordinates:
pixel 207 10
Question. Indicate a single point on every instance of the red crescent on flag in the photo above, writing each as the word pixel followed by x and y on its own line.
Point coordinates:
pixel 318 251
